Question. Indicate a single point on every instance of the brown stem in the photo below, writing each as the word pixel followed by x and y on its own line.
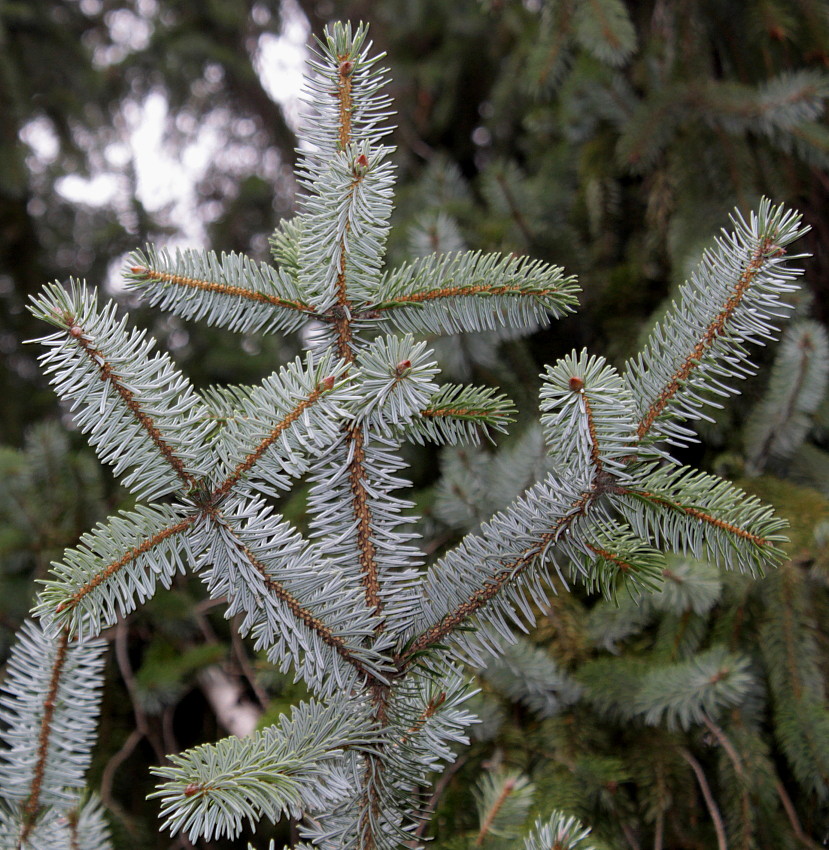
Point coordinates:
pixel 514 208
pixel 623 565
pixel 108 776
pixel 791 813
pixel 247 464
pixel 713 811
pixel 736 761
pixel 714 330
pixel 125 668
pixel 440 787
pixel 128 397
pixel 457 412
pixel 659 830
pixel 360 505
pixel 222 289
pixel 245 666
pixel 32 804
pixel 629 836
pixel 496 807
pixel 128 557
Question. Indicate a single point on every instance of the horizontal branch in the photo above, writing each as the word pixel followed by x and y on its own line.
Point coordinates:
pixel 220 288
pixel 461 413
pixel 696 513
pixel 462 291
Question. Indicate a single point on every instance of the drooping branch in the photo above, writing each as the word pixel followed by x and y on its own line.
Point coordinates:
pixel 713 811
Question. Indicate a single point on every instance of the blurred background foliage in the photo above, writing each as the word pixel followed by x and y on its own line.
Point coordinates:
pixel 610 137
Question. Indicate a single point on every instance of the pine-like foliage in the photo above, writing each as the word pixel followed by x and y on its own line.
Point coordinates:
pixel 349 607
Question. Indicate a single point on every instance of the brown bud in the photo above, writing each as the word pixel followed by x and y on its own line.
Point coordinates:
pixel 191 789
pixel 402 367
pixel 328 383
pixel 75 331
pixel 362 161
pixel 346 68
pixel 576 384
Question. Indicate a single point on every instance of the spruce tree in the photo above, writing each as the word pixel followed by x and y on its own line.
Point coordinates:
pixel 349 608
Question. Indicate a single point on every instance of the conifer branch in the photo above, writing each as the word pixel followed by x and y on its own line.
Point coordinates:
pixel 492 813
pixel 494 584
pixel 466 291
pixel 457 414
pixel 472 292
pixel 617 560
pixel 715 329
pixel 49 727
pixel 109 376
pixel 696 513
pixel 298 611
pixel 144 273
pixel 115 566
pixel 32 804
pixel 733 298
pixel 245 465
pixel 127 558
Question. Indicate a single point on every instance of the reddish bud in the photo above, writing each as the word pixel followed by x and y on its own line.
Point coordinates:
pixel 576 384
pixel 192 789
pixel 328 383
pixel 403 366
pixel 346 68
pixel 137 270
pixel 75 331
pixel 362 161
